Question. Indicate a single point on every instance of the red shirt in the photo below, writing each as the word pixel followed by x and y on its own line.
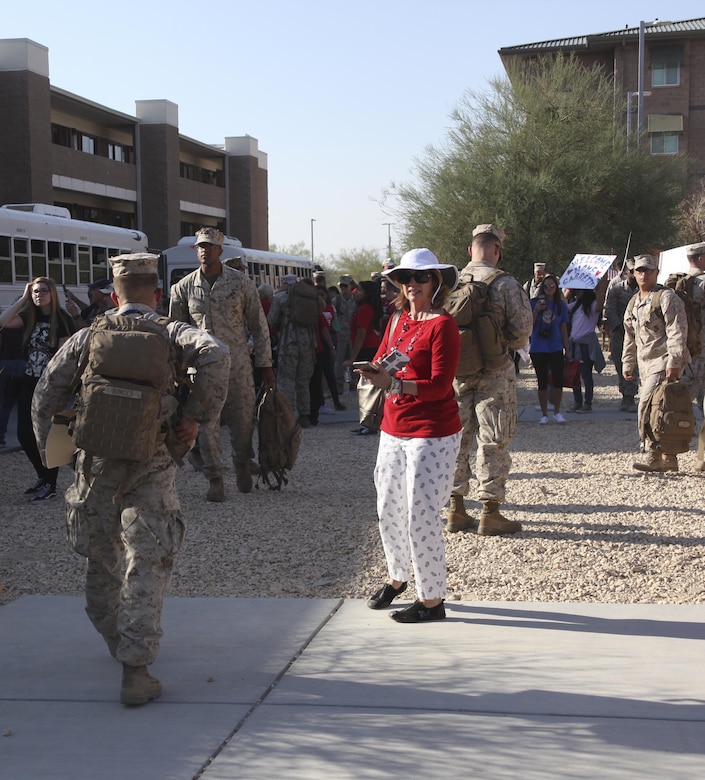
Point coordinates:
pixel 434 354
pixel 363 318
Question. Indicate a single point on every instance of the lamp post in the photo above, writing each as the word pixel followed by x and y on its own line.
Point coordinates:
pixel 312 221
pixel 389 238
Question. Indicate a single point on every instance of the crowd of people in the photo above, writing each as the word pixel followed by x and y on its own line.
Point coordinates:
pixel 447 423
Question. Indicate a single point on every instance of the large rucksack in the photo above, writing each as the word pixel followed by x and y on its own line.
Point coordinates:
pixel 303 304
pixel 279 438
pixel 127 372
pixel 670 422
pixel 684 286
pixel 482 345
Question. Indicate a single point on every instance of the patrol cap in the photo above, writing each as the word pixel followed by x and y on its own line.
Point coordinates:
pixel 497 232
pixel 694 250
pixel 138 263
pixel 209 235
pixel 319 274
pixel 346 279
pixel 647 262
pixel 539 266
pixel 99 284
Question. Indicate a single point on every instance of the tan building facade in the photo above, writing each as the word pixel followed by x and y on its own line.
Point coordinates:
pixel 130 171
pixel 673 92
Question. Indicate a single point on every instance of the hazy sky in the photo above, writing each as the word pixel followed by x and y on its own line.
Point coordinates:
pixel 340 96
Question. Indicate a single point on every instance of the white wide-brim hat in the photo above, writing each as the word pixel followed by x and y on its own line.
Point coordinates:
pixel 424 260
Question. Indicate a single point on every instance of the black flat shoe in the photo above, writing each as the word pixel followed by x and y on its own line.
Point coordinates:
pixel 418 613
pixel 385 596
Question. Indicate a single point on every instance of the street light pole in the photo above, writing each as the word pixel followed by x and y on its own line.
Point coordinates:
pixel 312 221
pixel 389 238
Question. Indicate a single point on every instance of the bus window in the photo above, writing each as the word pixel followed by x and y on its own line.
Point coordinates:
pixel 70 271
pixel 39 258
pixel 100 263
pixel 84 265
pixel 21 260
pixel 55 270
pixel 5 260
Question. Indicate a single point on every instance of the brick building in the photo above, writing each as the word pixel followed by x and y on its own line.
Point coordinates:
pixel 673 56
pixel 131 171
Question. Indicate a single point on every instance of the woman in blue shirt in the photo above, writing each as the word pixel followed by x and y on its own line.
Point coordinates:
pixel 549 343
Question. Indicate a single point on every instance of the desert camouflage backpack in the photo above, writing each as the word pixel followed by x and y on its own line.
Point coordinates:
pixel 670 424
pixel 482 344
pixel 279 438
pixel 127 371
pixel 303 304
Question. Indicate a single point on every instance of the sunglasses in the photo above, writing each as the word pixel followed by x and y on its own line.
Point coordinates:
pixel 420 277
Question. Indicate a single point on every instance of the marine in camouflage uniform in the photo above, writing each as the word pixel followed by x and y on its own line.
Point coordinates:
pixel 487 400
pixel 124 516
pixel 225 302
pixel 694 374
pixel 655 341
pixel 619 294
pixel 296 358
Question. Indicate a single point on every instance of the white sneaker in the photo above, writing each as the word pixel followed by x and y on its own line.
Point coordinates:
pixel 559 418
pixel 543 421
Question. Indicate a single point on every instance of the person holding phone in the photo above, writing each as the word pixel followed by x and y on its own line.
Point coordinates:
pixel 420 435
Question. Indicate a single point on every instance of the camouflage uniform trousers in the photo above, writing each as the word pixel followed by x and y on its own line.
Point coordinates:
pixel 648 386
pixel 238 415
pixel 143 530
pixel 488 411
pixel 297 361
pixel 627 387
pixel 694 377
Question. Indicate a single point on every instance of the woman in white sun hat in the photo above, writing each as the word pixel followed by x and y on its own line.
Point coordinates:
pixel 420 434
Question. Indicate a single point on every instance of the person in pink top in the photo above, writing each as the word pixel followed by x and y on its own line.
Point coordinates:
pixel 420 434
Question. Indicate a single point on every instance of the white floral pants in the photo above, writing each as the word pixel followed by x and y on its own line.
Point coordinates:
pixel 413 478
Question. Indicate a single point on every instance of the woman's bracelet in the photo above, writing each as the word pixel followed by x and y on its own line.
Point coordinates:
pixel 394 388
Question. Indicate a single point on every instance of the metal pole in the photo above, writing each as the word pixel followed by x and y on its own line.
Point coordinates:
pixel 630 95
pixel 640 87
pixel 312 221
pixel 389 238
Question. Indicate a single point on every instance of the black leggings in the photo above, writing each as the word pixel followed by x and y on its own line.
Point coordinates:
pixel 543 361
pixel 25 432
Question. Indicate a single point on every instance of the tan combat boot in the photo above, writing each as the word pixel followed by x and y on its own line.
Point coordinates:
pixel 652 462
pixel 138 686
pixel 492 523
pixel 457 518
pixel 216 490
pixel 670 462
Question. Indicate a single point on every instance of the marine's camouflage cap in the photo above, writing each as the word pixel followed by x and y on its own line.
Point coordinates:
pixel 646 261
pixel 209 235
pixel 138 263
pixel 497 232
pixel 695 250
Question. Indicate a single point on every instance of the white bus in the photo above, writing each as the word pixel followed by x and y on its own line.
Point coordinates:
pixel 262 267
pixel 37 239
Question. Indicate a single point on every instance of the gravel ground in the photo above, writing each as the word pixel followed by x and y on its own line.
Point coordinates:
pixel 595 530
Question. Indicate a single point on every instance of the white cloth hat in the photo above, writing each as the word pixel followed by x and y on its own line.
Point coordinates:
pixel 424 260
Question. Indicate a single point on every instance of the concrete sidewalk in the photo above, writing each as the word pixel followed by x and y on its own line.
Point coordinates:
pixel 297 688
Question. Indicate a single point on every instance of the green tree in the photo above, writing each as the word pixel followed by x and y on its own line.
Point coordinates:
pixel 544 155
pixel 360 263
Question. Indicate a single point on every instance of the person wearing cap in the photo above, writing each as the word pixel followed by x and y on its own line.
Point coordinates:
pixel 655 342
pixel 296 352
pixel 345 305
pixel 123 515
pixel 100 300
pixel 225 302
pixel 420 435
pixel 619 293
pixel 533 285
pixel 487 399
pixel 694 375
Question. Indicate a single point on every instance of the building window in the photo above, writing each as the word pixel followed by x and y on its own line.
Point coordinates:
pixel 119 152
pixel 664 143
pixel 665 74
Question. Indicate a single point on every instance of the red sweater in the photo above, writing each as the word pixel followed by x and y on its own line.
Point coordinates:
pixel 434 359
